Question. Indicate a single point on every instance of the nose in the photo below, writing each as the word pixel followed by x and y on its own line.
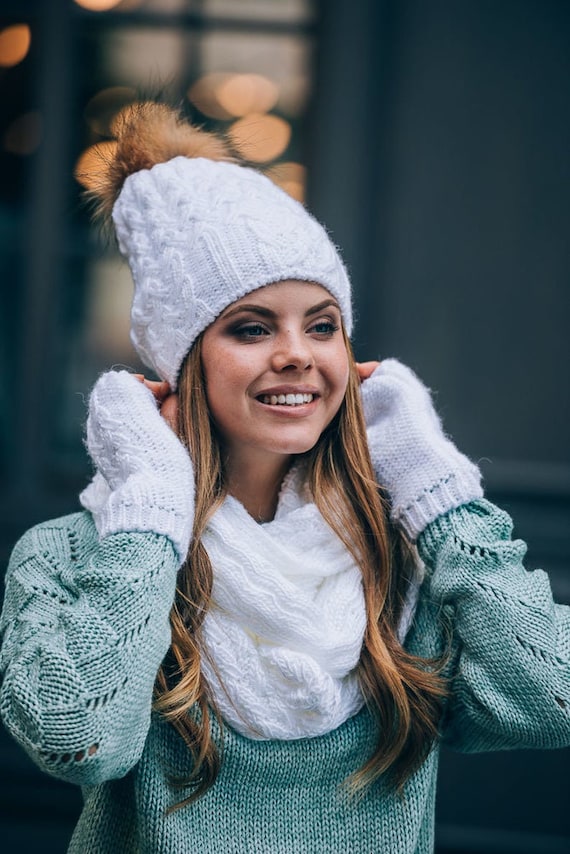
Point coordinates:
pixel 292 352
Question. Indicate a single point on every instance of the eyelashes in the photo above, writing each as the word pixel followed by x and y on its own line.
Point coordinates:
pixel 326 327
pixel 253 331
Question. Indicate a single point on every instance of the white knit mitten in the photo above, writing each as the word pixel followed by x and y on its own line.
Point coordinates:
pixel 145 479
pixel 421 469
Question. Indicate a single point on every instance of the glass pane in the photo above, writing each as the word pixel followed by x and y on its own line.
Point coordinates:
pixel 148 59
pixel 96 323
pixel 293 11
pixel 284 59
pixel 286 11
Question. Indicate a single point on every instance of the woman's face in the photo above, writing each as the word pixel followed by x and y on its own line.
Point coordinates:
pixel 276 369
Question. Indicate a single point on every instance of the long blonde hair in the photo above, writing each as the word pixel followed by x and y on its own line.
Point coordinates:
pixel 403 692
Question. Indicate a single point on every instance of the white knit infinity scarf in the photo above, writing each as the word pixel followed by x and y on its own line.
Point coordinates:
pixel 286 624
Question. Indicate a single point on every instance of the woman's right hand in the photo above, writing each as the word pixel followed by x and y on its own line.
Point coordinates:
pixel 166 399
pixel 146 468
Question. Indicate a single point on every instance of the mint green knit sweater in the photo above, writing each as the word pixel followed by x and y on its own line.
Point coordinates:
pixel 86 627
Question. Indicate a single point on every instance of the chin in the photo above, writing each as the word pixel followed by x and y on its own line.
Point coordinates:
pixel 295 448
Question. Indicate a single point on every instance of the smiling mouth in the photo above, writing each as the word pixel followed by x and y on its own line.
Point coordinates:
pixel 286 399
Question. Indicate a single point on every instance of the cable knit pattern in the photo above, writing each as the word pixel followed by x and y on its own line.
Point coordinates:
pixel 145 480
pixel 198 235
pixel 287 620
pixel 421 469
pixel 85 627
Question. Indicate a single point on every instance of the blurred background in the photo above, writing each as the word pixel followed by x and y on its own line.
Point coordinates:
pixel 432 137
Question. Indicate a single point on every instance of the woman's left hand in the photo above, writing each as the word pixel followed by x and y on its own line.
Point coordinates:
pixel 366 369
pixel 418 465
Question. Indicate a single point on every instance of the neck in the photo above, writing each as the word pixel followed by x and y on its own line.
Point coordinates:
pixel 256 483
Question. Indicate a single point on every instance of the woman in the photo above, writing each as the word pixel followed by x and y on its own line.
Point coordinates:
pixel 286 587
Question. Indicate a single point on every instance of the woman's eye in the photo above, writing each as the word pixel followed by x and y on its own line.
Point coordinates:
pixel 325 327
pixel 251 330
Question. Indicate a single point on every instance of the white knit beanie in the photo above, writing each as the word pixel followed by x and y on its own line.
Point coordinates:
pixel 199 234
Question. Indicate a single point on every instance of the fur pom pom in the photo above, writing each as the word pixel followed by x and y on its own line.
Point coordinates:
pixel 146 133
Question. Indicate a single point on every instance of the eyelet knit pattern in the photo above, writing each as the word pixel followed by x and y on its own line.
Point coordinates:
pixel 199 235
pixel 77 692
pixel 85 625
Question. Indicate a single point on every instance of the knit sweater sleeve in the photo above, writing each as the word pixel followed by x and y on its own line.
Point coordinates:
pixel 510 650
pixel 85 627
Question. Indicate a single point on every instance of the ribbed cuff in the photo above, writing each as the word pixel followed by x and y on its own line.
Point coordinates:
pixel 451 491
pixel 126 517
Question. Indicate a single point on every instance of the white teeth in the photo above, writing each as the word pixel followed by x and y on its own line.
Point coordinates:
pixel 287 399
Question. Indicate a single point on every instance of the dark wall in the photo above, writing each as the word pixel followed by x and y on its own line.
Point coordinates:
pixel 440 164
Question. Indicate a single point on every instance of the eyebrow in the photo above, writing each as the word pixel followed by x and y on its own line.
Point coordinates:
pixel 267 312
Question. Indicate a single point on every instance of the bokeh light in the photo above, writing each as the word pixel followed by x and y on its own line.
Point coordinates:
pixel 260 137
pixel 24 134
pixel 242 94
pixel 97 5
pixel 103 107
pixel 224 95
pixel 204 94
pixel 14 44
pixel 291 177
pixel 92 165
